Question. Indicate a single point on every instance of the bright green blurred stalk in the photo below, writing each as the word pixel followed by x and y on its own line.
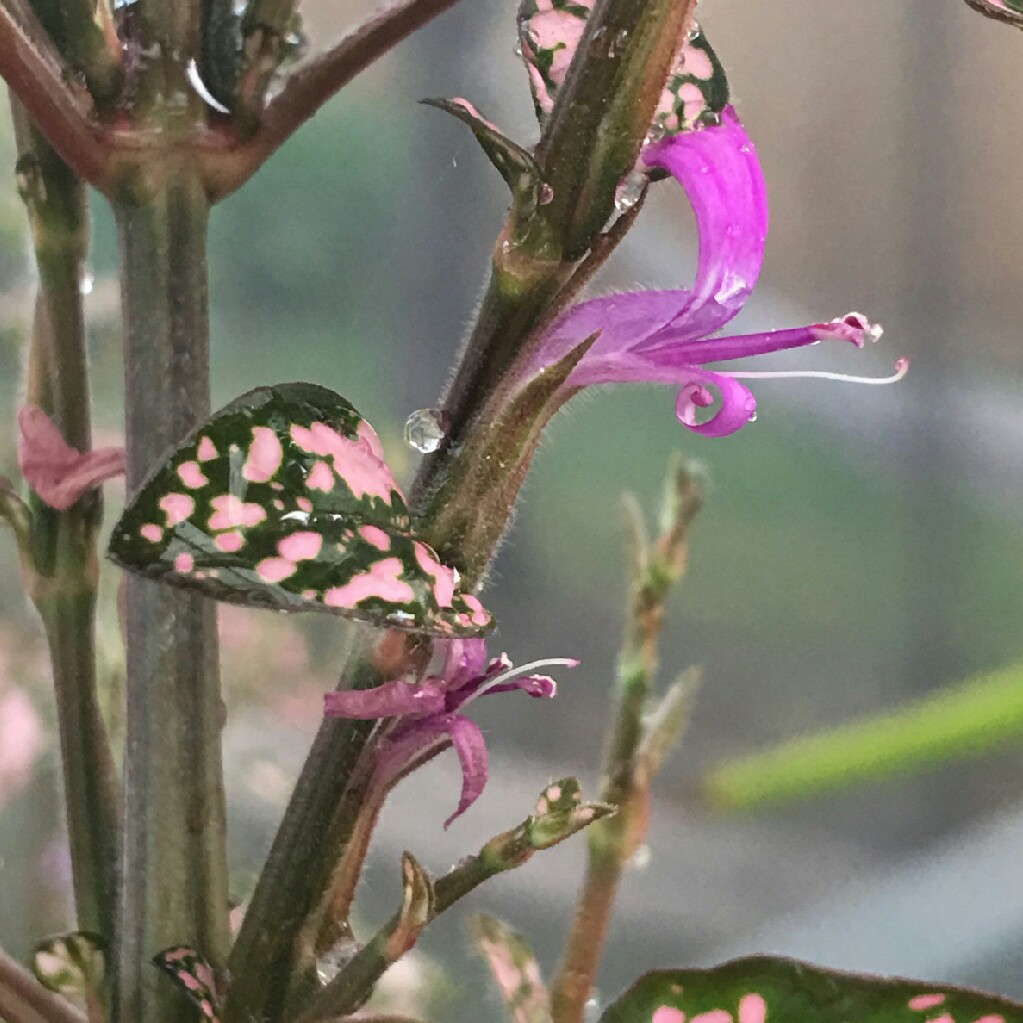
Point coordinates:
pixel 979 715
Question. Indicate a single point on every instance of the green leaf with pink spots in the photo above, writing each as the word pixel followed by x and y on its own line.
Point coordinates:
pixel 550 31
pixel 283 500
pixel 194 976
pixel 767 989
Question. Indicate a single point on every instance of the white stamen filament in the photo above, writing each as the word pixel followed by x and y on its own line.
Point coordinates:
pixel 194 79
pixel 901 369
pixel 524 669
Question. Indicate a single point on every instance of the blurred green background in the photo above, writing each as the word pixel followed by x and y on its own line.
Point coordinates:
pixel 858 550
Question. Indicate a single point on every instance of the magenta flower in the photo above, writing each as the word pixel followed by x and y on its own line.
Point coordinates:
pixel 52 468
pixel 430 712
pixel 666 336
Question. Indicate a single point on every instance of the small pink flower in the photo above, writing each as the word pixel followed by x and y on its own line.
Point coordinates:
pixel 58 473
pixel 430 710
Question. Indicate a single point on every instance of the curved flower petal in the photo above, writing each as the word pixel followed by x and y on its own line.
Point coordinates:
pixel 467 738
pixel 58 473
pixel 737 404
pixel 719 170
pixel 388 700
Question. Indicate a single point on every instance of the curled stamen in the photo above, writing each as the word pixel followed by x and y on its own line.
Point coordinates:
pixel 901 369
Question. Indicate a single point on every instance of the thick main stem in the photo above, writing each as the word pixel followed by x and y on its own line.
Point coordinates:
pixel 310 842
pixel 174 885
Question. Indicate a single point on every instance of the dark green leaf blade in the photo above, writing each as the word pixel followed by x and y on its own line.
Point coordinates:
pixel 767 989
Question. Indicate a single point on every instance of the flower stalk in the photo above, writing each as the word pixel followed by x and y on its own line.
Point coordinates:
pixel 59 547
pixel 636 746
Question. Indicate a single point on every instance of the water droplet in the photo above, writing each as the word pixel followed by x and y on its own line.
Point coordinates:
pixel 546 193
pixel 693 33
pixel 454 162
pixel 640 859
pixel 424 430
pixel 591 1010
pixel 630 190
pixel 333 961
pixel 518 49
pixel 86 282
pixel 709 119
pixel 619 41
pixel 655 134
pixel 753 416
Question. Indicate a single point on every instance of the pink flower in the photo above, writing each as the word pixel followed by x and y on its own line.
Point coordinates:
pixel 668 336
pixel 430 712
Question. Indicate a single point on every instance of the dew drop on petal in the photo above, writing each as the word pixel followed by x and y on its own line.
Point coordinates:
pixel 640 859
pixel 335 959
pixel 424 430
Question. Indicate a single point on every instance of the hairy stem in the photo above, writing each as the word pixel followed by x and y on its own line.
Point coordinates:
pixel 311 841
pixel 174 886
pixel 24 1000
pixel 63 568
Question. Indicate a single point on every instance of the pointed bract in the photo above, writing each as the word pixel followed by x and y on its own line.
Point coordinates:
pixel 58 473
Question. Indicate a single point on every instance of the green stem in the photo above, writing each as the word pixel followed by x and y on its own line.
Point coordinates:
pixel 174 887
pixel 61 561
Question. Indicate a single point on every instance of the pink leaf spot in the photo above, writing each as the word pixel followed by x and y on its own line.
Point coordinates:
pixel 443 577
pixel 383 580
pixel 207 450
pixel 993 1018
pixel 480 615
pixel 304 504
pixel 300 546
pixel 375 536
pixel 229 543
pixel 944 1018
pixel 265 455
pixel 184 563
pixel 714 1016
pixel 177 508
pixel 230 512
pixel 752 1009
pixel 273 570
pixel 922 1002
pixel 192 476
pixel 320 478
pixel 151 532
pixel 668 1014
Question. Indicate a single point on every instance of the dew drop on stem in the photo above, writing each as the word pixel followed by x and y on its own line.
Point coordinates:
pixel 425 429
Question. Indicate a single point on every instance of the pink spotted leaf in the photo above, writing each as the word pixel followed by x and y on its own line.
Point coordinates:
pixel 768 989
pixel 514 969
